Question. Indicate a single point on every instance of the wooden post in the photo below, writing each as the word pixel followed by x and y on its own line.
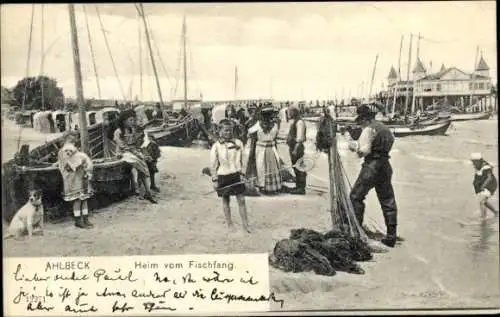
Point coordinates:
pixel 332 155
pixel 78 80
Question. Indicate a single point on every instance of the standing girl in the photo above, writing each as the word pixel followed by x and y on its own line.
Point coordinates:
pixel 267 160
pixel 485 183
pixel 76 169
pixel 226 158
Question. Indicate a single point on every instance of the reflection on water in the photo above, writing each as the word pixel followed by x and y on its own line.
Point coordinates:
pixel 482 236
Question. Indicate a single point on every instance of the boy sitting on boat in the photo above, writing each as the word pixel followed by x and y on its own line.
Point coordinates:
pixel 485 183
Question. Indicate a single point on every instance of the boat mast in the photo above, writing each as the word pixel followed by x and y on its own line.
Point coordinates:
pixel 399 75
pixel 408 75
pixel 473 76
pixel 373 77
pixel 140 9
pixel 140 61
pixel 78 80
pixel 414 80
pixel 184 53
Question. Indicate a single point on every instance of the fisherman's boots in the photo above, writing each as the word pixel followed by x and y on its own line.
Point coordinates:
pixel 86 222
pixel 390 238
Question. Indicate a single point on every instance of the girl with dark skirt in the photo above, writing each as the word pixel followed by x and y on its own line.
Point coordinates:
pixel 485 184
pixel 226 158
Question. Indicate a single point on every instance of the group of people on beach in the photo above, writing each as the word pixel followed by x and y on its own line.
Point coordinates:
pixel 232 170
pixel 254 165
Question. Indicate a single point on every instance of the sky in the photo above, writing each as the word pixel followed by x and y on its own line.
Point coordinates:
pixel 282 50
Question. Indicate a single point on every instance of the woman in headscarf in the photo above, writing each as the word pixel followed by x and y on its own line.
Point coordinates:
pixel 129 138
pixel 264 152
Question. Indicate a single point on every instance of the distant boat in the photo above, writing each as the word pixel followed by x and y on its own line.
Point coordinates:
pixel 175 132
pixel 470 116
pixel 439 128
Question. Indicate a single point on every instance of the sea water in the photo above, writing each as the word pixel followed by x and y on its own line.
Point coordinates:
pixel 438 211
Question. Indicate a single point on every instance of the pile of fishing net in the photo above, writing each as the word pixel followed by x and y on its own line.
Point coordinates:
pixel 324 254
pixel 336 250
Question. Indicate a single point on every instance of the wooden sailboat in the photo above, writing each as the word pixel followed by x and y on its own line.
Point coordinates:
pixel 470 116
pixel 35 168
pixel 172 131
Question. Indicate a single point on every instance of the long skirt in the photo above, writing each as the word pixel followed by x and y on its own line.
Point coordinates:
pixel 137 162
pixel 268 167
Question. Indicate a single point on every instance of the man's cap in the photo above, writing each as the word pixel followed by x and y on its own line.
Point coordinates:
pixel 364 113
pixel 267 110
pixel 226 123
pixel 475 156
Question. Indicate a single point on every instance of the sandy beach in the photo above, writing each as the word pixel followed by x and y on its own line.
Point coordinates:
pixel 440 265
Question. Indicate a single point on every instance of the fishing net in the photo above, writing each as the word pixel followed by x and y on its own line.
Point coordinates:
pixel 307 250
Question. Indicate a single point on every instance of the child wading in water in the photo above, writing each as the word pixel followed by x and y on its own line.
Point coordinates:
pixel 76 169
pixel 485 183
pixel 226 158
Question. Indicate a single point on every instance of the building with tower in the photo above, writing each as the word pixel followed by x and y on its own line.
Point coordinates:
pixel 450 86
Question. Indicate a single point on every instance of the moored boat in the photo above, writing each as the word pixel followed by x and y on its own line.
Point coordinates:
pixel 179 132
pixel 35 169
pixel 470 116
pixel 438 128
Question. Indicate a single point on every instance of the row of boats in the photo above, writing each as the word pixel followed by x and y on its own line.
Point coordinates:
pixel 33 168
pixel 428 123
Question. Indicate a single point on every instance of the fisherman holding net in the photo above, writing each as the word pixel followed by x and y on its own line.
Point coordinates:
pixel 374 145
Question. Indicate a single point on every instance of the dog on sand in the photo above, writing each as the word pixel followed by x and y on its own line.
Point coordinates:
pixel 27 217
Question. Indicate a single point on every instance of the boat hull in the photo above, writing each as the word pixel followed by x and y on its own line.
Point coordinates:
pixel 470 116
pixel 111 181
pixel 181 134
pixel 431 129
pixel 438 128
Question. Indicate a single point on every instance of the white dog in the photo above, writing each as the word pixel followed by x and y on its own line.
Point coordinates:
pixel 28 217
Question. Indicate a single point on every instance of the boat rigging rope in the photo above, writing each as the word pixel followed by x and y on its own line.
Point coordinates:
pixel 141 96
pixel 30 41
pixel 198 86
pixel 103 30
pixel 178 70
pixel 42 61
pixel 92 51
pixel 165 70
